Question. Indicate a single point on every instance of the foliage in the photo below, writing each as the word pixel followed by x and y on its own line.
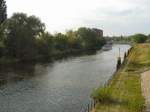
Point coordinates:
pixel 45 44
pixel 73 41
pixel 139 38
pixel 22 32
pixel 88 37
pixel 126 84
pixel 24 38
pixel 102 94
pixel 61 41
pixel 3 11
pixel 3 17
pixel 119 39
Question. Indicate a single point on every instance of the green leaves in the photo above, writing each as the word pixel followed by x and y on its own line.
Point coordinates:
pixel 102 94
pixel 22 32
pixel 89 38
pixel 139 38
pixel 24 38
pixel 3 11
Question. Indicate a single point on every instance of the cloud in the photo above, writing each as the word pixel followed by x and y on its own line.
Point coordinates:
pixel 115 17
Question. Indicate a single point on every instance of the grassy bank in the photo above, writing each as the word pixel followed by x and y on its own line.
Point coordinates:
pixel 125 88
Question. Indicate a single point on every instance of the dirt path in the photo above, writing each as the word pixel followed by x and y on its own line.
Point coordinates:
pixel 146 89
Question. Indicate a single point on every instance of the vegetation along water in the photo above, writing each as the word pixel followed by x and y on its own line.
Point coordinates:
pixel 124 91
pixel 30 81
pixel 62 85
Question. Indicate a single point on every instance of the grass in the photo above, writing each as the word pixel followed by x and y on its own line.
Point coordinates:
pixel 126 84
pixel 102 94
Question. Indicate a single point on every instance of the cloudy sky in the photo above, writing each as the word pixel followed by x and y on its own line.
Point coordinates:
pixel 115 17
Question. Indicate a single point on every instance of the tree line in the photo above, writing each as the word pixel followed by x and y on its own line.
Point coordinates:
pixel 136 38
pixel 24 38
pixel 140 38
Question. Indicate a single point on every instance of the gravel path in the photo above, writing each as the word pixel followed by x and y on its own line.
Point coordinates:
pixel 146 89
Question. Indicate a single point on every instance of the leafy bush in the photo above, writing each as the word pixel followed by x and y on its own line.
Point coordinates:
pixel 139 38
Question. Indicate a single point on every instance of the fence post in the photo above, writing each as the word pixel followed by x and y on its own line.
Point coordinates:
pixel 91 105
pixel 118 63
pixel 88 108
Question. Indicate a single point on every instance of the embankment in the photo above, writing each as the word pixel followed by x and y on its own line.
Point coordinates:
pixel 125 93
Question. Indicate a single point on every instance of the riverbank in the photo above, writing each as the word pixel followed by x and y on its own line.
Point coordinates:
pixel 123 42
pixel 126 94
pixel 54 56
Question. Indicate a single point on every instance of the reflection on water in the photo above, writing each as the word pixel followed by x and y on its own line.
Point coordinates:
pixel 61 86
pixel 16 72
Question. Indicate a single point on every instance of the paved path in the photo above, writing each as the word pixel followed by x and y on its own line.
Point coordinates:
pixel 146 89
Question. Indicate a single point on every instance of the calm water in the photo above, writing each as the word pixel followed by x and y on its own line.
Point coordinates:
pixel 62 86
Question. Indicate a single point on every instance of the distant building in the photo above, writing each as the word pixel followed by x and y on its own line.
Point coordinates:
pixel 99 32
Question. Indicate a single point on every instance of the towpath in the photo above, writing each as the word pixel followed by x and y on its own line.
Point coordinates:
pixel 145 84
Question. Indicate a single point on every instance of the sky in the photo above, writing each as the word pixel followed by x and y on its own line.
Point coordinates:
pixel 114 17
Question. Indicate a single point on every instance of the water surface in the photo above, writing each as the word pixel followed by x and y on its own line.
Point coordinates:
pixel 61 86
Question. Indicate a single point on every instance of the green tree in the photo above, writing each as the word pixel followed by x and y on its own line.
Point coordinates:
pixel 73 41
pixel 61 42
pixel 22 32
pixel 3 17
pixel 139 38
pixel 45 45
pixel 88 37
pixel 3 11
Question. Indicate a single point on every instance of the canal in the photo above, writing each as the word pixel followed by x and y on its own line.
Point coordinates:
pixel 62 86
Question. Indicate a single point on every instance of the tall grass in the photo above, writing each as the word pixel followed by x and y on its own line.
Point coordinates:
pixel 102 94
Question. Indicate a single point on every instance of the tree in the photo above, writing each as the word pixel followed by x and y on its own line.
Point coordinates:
pixel 139 38
pixel 88 37
pixel 61 41
pixel 45 44
pixel 3 17
pixel 22 32
pixel 3 11
pixel 73 41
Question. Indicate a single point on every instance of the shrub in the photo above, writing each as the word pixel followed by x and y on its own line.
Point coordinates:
pixel 139 38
